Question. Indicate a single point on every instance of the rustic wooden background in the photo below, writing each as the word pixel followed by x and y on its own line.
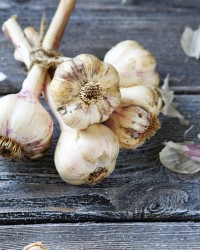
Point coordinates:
pixel 142 205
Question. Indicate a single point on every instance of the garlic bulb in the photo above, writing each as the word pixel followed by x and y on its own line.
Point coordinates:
pixel 26 128
pixel 83 156
pixel 135 65
pixel 85 91
pixel 86 156
pixel 136 120
pixel 183 158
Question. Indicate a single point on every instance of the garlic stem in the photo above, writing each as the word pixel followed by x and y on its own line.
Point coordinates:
pixel 15 33
pixel 36 77
pixel 57 26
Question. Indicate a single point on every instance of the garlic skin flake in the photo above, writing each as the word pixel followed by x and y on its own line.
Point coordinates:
pixel 136 120
pixel 190 42
pixel 86 156
pixel 2 76
pixel 135 65
pixel 169 108
pixel 85 91
pixel 183 158
pixel 26 128
pixel 35 246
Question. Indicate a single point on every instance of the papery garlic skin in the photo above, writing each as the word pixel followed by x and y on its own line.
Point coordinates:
pixel 88 156
pixel 85 91
pixel 136 120
pixel 135 65
pixel 35 246
pixel 170 107
pixel 26 128
pixel 183 158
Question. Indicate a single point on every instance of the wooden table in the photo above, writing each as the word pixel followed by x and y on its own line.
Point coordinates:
pixel 142 205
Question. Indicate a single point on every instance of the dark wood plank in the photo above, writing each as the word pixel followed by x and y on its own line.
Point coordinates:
pixel 96 26
pixel 140 189
pixel 133 236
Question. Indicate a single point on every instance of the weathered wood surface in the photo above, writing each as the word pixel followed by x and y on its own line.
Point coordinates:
pixel 135 236
pixel 140 189
pixel 96 26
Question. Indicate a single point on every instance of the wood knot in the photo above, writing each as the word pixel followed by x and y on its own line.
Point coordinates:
pixel 91 93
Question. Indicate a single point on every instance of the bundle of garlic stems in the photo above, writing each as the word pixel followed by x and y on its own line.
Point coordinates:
pixel 95 89
pixel 26 128
pixel 81 156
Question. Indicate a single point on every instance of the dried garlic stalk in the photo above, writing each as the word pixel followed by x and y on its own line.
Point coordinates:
pixel 169 108
pixel 183 158
pixel 190 42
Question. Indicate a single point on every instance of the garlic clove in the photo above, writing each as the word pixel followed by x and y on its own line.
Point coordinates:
pixel 88 156
pixel 133 126
pixel 146 97
pixel 183 158
pixel 26 128
pixel 135 65
pixel 82 85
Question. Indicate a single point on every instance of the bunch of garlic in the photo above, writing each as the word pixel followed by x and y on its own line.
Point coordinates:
pixel 85 92
pixel 135 65
pixel 81 156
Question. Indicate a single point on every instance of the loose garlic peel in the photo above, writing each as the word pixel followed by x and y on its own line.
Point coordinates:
pixel 136 120
pixel 85 91
pixel 88 156
pixel 35 246
pixel 135 65
pixel 183 158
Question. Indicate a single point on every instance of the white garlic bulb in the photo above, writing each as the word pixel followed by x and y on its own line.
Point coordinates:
pixel 26 128
pixel 183 158
pixel 135 65
pixel 86 156
pixel 85 91
pixel 136 120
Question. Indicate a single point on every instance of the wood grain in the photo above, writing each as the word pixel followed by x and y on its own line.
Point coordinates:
pixel 140 189
pixel 96 26
pixel 135 236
